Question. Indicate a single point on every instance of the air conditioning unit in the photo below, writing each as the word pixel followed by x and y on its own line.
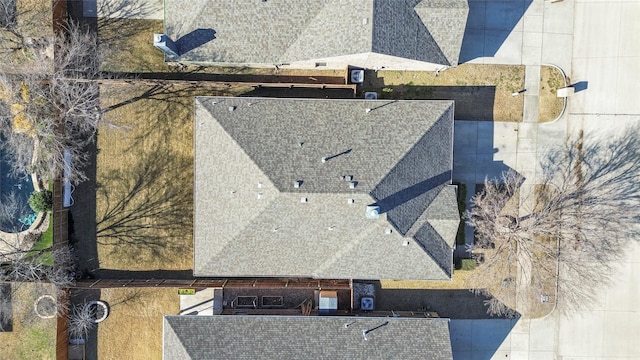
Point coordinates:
pixel 367 303
pixel 328 302
pixel 357 76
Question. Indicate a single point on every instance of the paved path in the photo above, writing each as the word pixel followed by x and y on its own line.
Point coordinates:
pixel 597 44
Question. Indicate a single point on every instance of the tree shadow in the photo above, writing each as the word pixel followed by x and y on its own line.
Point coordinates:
pixel 593 184
pixel 6 308
pixel 147 205
pixel 112 19
pixel 194 39
pixel 489 23
pixel 116 9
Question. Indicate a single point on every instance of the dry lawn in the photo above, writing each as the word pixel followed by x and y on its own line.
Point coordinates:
pixel 133 329
pixel 32 337
pixel 550 105
pixel 481 92
pixel 144 191
pixel 459 281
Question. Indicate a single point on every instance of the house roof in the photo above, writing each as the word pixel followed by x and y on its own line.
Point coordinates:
pixel 300 337
pixel 278 31
pixel 251 219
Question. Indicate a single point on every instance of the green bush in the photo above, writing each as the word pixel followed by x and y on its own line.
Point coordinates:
pixel 468 264
pixel 41 201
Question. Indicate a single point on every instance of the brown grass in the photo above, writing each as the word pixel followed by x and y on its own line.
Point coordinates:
pixel 458 281
pixel 133 329
pixel 481 92
pixel 550 105
pixel 32 337
pixel 144 196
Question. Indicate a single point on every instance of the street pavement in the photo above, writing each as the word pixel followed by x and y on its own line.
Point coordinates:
pixel 597 44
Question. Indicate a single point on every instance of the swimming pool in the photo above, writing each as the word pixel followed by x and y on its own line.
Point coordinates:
pixel 16 214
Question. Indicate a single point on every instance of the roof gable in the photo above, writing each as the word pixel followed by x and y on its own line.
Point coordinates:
pixel 282 31
pixel 445 20
pixel 298 337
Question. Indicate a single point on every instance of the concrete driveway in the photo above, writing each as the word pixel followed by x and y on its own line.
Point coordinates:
pixel 598 44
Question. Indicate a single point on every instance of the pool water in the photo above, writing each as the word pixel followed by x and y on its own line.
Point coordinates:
pixel 15 213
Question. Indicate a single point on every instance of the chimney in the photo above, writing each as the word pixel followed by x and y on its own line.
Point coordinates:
pixel 162 42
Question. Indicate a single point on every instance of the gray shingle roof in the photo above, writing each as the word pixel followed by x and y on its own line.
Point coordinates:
pixel 251 219
pixel 277 31
pixel 303 337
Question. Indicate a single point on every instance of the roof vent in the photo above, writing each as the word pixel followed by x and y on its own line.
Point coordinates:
pixel 304 200
pixel 324 159
pixel 259 184
pixel 405 242
pixel 348 177
pixel 297 183
pixel 353 184
pixel 259 195
pixel 373 212
pixel 367 110
pixel 388 231
pixel 331 228
pixel 351 201
pixel 232 108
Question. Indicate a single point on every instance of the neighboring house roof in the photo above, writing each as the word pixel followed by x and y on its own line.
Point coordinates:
pixel 279 31
pixel 251 219
pixel 303 337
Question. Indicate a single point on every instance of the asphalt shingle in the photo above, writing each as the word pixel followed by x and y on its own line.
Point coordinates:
pixel 281 31
pixel 251 219
pixel 303 337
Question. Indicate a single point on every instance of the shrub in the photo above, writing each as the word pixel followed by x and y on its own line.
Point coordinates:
pixel 41 201
pixel 468 264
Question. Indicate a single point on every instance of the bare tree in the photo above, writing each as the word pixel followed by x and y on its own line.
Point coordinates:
pixel 24 24
pixel 13 208
pixel 54 105
pixel 558 240
pixel 81 321
pixel 35 266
